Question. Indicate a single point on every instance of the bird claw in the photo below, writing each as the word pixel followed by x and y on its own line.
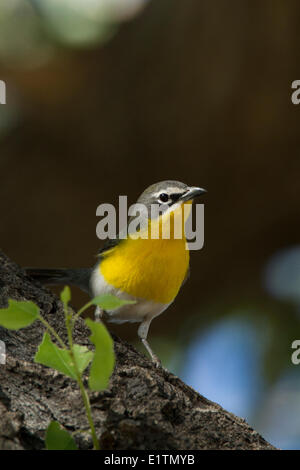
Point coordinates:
pixel 157 362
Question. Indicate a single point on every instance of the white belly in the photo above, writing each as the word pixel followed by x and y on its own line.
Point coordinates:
pixel 126 313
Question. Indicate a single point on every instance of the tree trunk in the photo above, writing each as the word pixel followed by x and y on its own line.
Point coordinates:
pixel 143 408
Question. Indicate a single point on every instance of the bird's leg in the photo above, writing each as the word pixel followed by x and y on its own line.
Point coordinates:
pixel 142 333
pixel 154 357
pixel 98 314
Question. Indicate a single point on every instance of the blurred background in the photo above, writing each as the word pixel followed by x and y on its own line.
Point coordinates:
pixel 105 97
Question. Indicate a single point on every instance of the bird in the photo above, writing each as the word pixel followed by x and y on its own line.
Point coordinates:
pixel 149 270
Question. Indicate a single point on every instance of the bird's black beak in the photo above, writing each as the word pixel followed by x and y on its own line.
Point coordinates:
pixel 192 193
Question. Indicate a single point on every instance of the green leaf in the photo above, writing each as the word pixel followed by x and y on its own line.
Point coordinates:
pixel 59 359
pixel 104 358
pixel 18 314
pixel 82 356
pixel 50 355
pixel 65 295
pixel 110 302
pixel 59 439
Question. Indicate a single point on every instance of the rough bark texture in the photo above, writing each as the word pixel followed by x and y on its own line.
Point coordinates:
pixel 144 408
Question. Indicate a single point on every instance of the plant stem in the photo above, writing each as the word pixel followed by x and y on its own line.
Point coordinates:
pixel 87 405
pixel 49 327
pixel 84 394
pixel 85 307
pixel 69 328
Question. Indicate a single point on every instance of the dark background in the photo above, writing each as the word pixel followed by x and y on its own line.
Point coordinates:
pixel 198 91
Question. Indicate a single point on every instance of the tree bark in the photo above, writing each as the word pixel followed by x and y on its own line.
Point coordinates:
pixel 143 408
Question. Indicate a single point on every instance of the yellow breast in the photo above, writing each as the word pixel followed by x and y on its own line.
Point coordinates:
pixel 151 269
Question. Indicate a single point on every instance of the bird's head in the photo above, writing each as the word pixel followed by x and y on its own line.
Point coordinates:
pixel 167 201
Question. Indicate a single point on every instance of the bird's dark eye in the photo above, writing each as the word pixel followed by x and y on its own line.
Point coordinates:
pixel 163 197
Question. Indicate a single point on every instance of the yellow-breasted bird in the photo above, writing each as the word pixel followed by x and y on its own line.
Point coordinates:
pixel 141 267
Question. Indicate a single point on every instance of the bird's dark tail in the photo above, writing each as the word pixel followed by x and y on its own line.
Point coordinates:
pixel 78 277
